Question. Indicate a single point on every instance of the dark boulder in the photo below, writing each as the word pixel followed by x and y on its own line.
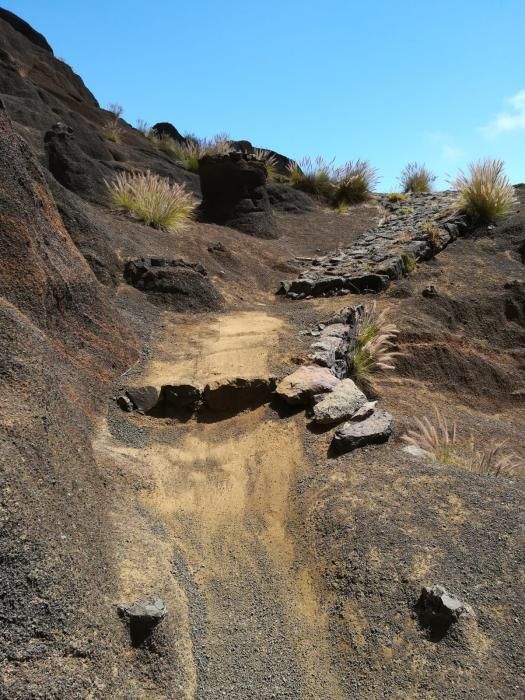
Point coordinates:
pixel 143 398
pixel 439 612
pixel 71 166
pixel 375 429
pixel 24 28
pixel 231 396
pixel 142 618
pixel 170 281
pixel 178 400
pixel 234 194
pixel 289 199
pixel 165 129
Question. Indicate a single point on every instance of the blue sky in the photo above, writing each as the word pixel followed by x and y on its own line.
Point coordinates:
pixel 440 82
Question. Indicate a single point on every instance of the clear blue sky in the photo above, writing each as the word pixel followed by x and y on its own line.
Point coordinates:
pixel 441 81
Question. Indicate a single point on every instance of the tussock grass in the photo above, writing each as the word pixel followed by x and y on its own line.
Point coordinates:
pixel 485 193
pixel 372 346
pixel 409 262
pixel 112 130
pixel 314 177
pixel 152 200
pixel 397 196
pixel 416 177
pixel 269 160
pixel 430 228
pixel 354 182
pixel 436 438
pixel 193 148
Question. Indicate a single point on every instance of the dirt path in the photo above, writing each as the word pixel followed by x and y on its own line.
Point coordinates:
pixel 253 627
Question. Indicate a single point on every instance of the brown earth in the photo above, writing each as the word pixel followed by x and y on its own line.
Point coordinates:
pixel 286 573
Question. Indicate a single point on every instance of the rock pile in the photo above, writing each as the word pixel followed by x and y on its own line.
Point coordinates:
pixel 415 229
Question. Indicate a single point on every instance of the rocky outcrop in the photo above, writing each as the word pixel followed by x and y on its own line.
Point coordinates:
pixel 414 230
pixel 181 285
pixel 234 194
pixel 24 28
pixel 166 129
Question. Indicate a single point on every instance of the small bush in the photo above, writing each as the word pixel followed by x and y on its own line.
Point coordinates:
pixel 405 211
pixel 371 349
pixel 416 178
pixel 313 177
pixel 496 460
pixel 485 194
pixel 152 199
pixel 397 197
pixel 354 182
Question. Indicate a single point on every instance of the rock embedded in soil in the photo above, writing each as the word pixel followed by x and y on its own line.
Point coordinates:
pixel 438 610
pixel 375 429
pixel 339 404
pixel 299 388
pixel 178 399
pixel 143 398
pixel 142 617
pixel 234 395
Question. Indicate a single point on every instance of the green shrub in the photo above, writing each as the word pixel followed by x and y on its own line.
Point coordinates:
pixel 485 194
pixel 152 199
pixel 416 178
pixel 354 182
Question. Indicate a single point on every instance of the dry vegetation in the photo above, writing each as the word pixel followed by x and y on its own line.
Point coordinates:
pixel 485 193
pixel 152 199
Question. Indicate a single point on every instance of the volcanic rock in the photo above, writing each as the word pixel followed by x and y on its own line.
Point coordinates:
pixel 375 429
pixel 234 194
pixel 237 394
pixel 301 386
pixel 143 398
pixel 142 617
pixel 168 130
pixel 339 404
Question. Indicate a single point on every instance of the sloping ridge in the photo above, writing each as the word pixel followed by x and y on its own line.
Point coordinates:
pixel 62 341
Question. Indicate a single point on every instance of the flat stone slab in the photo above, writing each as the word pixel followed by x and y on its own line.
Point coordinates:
pixel 300 387
pixel 339 404
pixel 375 429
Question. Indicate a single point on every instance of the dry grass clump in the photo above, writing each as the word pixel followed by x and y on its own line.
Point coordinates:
pixel 314 177
pixel 416 178
pixel 152 199
pixel 354 182
pixel 269 160
pixel 112 130
pixel 397 196
pixel 192 149
pixel 485 194
pixel 430 228
pixel 372 346
pixel 438 440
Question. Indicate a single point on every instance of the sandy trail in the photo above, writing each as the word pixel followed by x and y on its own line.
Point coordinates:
pixel 222 491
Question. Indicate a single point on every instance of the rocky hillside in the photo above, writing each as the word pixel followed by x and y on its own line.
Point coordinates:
pixel 198 500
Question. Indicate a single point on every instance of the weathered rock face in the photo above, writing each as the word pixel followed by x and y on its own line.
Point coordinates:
pixel 289 199
pixel 234 194
pixel 375 429
pixel 340 404
pixel 237 394
pixel 24 28
pixel 71 166
pixel 299 388
pixel 183 286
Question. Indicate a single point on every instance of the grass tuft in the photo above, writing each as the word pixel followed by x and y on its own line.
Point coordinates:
pixel 397 197
pixel 269 160
pixel 152 199
pixel 314 177
pixel 485 194
pixel 354 182
pixel 436 438
pixel 416 178
pixel 371 349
